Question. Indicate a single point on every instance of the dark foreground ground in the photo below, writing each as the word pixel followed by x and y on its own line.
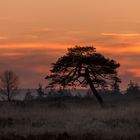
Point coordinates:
pixel 71 119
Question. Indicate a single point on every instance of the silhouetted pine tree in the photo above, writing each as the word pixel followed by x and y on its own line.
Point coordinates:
pixel 83 66
pixel 133 89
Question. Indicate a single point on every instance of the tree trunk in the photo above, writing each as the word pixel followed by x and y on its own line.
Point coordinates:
pixel 89 81
pixel 8 97
pixel 8 93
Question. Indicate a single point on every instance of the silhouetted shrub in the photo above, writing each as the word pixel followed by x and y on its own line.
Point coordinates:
pixel 28 96
pixel 89 94
pixel 60 93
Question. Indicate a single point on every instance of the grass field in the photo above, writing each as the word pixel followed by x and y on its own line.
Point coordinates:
pixel 70 119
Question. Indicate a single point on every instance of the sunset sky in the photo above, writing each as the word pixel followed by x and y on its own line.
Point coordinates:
pixel 34 33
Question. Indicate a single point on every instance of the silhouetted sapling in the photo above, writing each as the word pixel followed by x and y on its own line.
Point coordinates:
pixel 40 92
pixel 9 83
pixel 83 66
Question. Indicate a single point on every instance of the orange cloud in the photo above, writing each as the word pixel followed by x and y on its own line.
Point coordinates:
pixel 45 30
pixel 119 49
pixel 135 71
pixel 121 35
pixel 40 69
pixel 3 37
pixel 11 54
pixel 34 46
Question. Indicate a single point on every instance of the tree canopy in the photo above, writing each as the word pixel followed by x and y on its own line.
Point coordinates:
pixel 83 66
